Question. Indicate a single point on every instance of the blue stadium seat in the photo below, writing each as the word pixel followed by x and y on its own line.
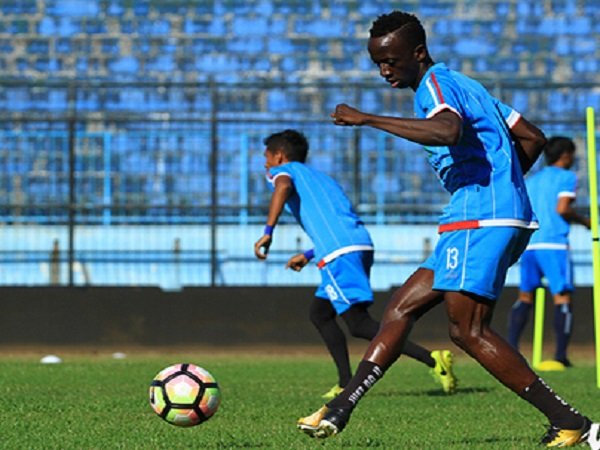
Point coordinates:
pixel 281 46
pixel 57 99
pixel 125 64
pixel 38 46
pixel 277 100
pixel 520 101
pixel 96 26
pixel 115 8
pixel 319 27
pixel 74 8
pixel 264 8
pixel 475 47
pixel 566 7
pixel 110 46
pixel 47 26
pixel 435 9
pixel 247 46
pixel 244 26
pixel 203 8
pixel 141 8
pixel 530 9
pixel 18 7
pixel 503 8
pixel 581 26
pixel 162 63
pixel 587 65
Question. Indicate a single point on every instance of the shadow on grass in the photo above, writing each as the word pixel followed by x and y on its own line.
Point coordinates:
pixel 505 442
pixel 430 392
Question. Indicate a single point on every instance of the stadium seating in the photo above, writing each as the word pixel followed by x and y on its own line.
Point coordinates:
pixel 303 56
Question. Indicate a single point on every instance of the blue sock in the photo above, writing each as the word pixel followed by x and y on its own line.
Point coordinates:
pixel 519 315
pixel 563 323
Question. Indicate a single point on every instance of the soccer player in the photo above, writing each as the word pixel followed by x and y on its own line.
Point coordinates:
pixel 480 148
pixel 342 248
pixel 552 193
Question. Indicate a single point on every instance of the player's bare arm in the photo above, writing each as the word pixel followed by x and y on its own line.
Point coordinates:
pixel 443 129
pixel 283 189
pixel 564 207
pixel 529 141
pixel 297 262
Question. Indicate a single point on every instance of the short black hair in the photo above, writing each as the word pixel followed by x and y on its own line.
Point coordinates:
pixel 293 143
pixel 556 146
pixel 388 23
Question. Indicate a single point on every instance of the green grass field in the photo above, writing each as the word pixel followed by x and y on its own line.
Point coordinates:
pixel 96 402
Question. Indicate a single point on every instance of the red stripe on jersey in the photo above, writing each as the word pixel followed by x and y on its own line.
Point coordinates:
pixel 437 88
pixel 463 225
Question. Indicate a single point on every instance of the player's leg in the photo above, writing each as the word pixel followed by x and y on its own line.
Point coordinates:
pixel 345 282
pixel 323 317
pixel 519 317
pixel 563 325
pixel 558 269
pixel 531 278
pixel 408 303
pixel 470 315
pixel 362 325
pixel 470 329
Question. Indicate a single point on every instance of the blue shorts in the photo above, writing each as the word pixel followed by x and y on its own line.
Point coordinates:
pixel 554 265
pixel 345 280
pixel 476 260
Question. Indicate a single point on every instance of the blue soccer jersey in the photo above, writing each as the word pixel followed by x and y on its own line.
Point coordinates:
pixel 482 171
pixel 545 188
pixel 324 211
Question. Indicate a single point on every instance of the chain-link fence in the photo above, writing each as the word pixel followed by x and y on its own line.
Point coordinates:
pixel 163 184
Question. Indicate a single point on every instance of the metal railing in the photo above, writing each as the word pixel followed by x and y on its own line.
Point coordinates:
pixel 83 160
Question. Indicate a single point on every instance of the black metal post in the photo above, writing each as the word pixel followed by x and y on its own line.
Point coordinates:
pixel 214 198
pixel 72 197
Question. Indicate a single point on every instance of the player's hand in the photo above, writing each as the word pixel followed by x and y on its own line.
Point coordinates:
pixel 261 247
pixel 297 262
pixel 347 115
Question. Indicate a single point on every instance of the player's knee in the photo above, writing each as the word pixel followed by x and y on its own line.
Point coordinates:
pixel 360 323
pixel 464 337
pixel 364 329
pixel 320 312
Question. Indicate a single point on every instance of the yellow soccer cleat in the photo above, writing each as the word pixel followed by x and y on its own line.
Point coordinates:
pixel 332 393
pixel 442 372
pixel 310 424
pixel 325 422
pixel 559 437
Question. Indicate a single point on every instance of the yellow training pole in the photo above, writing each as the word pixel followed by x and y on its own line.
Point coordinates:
pixel 593 183
pixel 538 326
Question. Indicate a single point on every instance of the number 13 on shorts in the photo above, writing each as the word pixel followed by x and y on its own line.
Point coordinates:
pixel 451 258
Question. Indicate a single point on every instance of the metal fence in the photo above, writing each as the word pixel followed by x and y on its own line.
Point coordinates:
pixel 163 184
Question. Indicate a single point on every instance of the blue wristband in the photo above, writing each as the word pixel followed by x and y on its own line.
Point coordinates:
pixel 309 254
pixel 269 230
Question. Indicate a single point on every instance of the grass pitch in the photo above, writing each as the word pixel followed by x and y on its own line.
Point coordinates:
pixel 97 402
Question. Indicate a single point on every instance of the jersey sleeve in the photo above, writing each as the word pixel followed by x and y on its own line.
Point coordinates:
pixel 275 172
pixel 567 185
pixel 511 116
pixel 439 94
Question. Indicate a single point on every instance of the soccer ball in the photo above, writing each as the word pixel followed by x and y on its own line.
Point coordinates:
pixel 184 395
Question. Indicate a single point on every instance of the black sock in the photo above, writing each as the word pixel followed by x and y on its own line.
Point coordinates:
pixel 519 316
pixel 563 319
pixel 335 341
pixel 417 352
pixel 366 376
pixel 323 317
pixel 558 412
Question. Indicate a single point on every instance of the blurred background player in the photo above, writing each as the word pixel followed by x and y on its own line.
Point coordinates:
pixel 480 149
pixel 343 250
pixel 552 194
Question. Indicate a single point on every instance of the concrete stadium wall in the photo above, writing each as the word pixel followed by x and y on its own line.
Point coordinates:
pixel 205 316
